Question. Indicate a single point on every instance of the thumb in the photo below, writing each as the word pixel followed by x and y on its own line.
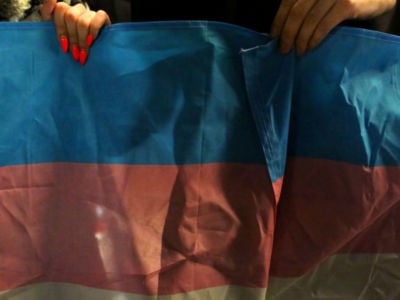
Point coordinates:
pixel 47 8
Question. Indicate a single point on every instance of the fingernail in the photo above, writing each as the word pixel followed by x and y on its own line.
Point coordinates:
pixel 64 44
pixel 89 40
pixel 75 52
pixel 83 57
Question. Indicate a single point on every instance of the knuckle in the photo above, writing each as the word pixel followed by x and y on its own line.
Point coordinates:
pixel 101 13
pixel 83 22
pixel 348 7
pixel 297 13
pixel 103 16
pixel 79 6
pixel 70 17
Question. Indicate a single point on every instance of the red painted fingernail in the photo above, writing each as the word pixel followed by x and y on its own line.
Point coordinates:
pixel 89 40
pixel 75 52
pixel 83 57
pixel 64 44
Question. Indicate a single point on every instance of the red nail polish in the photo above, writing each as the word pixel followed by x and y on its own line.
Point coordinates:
pixel 83 57
pixel 75 52
pixel 89 40
pixel 64 44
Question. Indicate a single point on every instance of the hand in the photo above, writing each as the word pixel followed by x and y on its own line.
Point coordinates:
pixel 77 26
pixel 303 24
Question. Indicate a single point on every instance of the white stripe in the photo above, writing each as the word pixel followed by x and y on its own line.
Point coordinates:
pixel 343 277
pixel 65 291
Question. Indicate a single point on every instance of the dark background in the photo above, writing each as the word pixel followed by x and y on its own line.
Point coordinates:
pixel 254 14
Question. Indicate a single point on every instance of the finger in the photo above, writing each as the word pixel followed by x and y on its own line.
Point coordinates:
pixel 71 19
pixel 293 23
pixel 90 24
pixel 341 11
pixel 100 19
pixel 46 11
pixel 281 16
pixel 59 23
pixel 312 20
pixel 83 27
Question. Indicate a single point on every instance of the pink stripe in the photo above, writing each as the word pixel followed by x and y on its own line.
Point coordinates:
pixel 277 187
pixel 139 229
pixel 329 207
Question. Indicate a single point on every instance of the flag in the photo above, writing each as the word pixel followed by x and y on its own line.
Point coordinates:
pixel 137 176
pixel 191 160
pixel 329 124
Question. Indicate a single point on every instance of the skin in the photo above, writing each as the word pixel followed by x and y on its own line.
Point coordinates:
pixel 303 24
pixel 75 24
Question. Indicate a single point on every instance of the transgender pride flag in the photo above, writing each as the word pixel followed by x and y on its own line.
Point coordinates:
pixel 330 128
pixel 186 161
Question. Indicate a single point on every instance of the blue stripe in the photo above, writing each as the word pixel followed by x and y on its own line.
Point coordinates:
pixel 340 102
pixel 151 93
pixel 346 103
